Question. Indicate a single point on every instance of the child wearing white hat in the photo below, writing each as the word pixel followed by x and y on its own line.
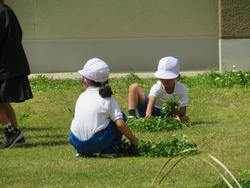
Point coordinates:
pixel 166 87
pixel 98 123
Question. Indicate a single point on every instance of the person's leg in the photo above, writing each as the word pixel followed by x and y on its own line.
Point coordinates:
pixel 111 140
pixel 135 96
pixel 12 133
pixel 76 143
pixel 156 112
pixel 84 147
pixel 4 120
pixel 15 89
pixel 7 115
pixel 105 142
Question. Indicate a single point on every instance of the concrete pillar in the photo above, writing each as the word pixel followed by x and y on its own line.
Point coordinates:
pixel 234 32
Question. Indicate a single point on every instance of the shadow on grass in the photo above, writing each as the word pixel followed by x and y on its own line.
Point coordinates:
pixel 42 138
pixel 40 129
pixel 204 122
pixel 43 144
pixel 100 156
pixel 54 136
pixel 43 128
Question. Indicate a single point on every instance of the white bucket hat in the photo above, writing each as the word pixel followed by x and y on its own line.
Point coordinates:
pixel 95 69
pixel 168 68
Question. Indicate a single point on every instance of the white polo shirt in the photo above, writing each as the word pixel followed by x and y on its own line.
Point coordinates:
pixel 93 113
pixel 160 94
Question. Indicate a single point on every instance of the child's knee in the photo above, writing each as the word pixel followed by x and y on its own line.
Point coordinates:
pixel 134 87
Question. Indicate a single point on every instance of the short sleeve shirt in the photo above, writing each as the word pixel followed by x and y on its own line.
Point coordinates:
pixel 160 94
pixel 93 113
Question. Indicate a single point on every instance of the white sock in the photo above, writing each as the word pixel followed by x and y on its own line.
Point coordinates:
pixel 7 125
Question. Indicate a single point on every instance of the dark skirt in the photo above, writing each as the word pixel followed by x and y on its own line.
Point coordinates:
pixel 16 89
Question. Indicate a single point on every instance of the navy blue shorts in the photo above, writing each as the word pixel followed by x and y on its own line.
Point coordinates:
pixel 142 107
pixel 105 141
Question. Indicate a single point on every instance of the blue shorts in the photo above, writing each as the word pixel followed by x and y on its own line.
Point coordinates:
pixel 142 107
pixel 105 141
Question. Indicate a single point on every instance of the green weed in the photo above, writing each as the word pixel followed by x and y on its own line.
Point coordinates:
pixel 169 106
pixel 245 183
pixel 162 148
pixel 43 83
pixel 164 122
pixel 213 79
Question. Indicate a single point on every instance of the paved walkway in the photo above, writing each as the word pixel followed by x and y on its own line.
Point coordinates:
pixel 75 75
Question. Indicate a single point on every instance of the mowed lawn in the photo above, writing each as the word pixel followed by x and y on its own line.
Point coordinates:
pixel 221 127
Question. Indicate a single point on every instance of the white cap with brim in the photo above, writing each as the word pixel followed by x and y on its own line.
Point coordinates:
pixel 95 69
pixel 168 68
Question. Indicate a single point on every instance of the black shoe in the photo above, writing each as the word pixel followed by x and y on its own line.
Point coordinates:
pixel 21 141
pixel 11 138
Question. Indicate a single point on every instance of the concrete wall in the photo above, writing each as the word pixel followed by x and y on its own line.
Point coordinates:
pixel 235 19
pixel 130 35
pixel 235 34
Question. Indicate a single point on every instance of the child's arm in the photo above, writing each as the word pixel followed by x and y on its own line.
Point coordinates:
pixel 125 130
pixel 151 101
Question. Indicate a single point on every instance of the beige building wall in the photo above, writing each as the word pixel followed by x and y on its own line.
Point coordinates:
pixel 130 34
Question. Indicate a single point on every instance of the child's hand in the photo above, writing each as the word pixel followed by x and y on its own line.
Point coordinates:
pixel 133 150
pixel 183 119
pixel 148 116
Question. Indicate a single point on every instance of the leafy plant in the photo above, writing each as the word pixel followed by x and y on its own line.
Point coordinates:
pixel 130 78
pixel 210 79
pixel 169 106
pixel 43 83
pixel 214 79
pixel 163 148
pixel 244 180
pixel 166 148
pixel 164 122
pixel 245 183
pixel 24 118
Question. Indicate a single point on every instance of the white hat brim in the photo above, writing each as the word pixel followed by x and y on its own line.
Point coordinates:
pixel 165 74
pixel 80 72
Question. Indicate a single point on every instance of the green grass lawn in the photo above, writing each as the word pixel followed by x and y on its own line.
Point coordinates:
pixel 221 127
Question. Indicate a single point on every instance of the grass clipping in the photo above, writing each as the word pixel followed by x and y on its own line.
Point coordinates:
pixel 166 121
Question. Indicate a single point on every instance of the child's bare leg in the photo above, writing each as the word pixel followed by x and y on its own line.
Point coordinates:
pixel 12 133
pixel 3 117
pixel 135 95
pixel 7 114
